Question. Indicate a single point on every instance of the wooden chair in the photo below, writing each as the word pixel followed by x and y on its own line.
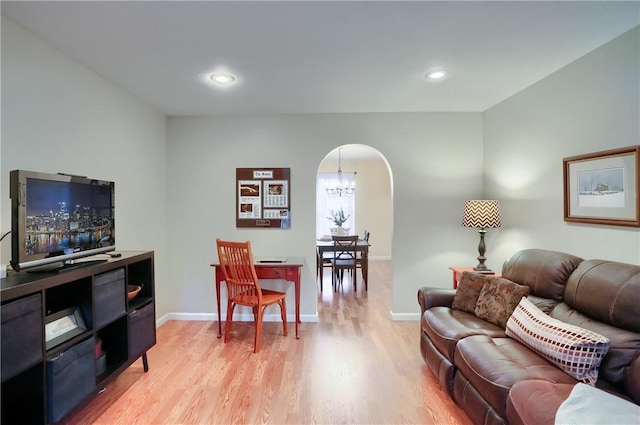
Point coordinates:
pixel 344 258
pixel 360 258
pixel 243 287
pixel 322 261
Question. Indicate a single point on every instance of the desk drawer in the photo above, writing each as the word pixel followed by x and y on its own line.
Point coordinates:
pixel 274 273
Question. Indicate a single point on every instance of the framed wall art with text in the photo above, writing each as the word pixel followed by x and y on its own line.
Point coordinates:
pixel 263 197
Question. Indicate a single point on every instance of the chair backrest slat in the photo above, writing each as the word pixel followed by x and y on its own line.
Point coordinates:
pixel 345 247
pixel 238 268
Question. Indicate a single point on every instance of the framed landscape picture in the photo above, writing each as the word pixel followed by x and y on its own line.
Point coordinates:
pixel 602 187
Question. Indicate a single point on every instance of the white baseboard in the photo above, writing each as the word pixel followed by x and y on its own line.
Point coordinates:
pixel 404 317
pixel 244 317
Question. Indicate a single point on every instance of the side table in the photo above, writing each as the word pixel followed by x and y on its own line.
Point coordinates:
pixel 457 273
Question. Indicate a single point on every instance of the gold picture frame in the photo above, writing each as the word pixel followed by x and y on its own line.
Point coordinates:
pixel 602 187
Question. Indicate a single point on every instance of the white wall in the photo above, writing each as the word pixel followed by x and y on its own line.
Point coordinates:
pixel 590 105
pixel 59 117
pixel 431 181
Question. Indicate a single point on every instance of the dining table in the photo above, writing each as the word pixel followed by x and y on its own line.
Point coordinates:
pixel 325 244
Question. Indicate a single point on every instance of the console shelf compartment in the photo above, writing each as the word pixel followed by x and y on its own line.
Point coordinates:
pixel 94 334
pixel 21 334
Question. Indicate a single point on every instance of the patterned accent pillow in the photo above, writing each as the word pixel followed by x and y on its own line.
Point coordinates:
pixel 575 350
pixel 498 298
pixel 468 290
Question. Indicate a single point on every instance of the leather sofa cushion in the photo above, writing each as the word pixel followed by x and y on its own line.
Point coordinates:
pixel 535 402
pixel 545 304
pixel 545 272
pixel 621 366
pixel 494 365
pixel 446 326
pixel 606 291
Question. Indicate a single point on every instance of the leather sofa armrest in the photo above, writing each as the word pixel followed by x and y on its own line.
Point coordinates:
pixel 432 297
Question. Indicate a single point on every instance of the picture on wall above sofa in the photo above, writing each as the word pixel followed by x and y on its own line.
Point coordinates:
pixel 602 187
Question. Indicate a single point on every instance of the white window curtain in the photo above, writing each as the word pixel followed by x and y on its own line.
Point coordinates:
pixel 325 203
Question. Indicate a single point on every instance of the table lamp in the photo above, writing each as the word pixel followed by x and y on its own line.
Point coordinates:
pixel 481 214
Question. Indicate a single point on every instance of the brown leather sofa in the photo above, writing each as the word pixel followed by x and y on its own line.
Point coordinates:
pixel 496 379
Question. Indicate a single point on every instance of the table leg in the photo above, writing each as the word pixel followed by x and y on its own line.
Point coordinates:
pixel 297 296
pixel 365 269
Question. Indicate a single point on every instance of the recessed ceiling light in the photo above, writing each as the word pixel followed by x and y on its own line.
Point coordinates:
pixel 436 75
pixel 222 78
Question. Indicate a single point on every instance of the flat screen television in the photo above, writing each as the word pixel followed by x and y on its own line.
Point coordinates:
pixel 57 218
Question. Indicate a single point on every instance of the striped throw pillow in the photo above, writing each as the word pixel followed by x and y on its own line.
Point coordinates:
pixel 575 350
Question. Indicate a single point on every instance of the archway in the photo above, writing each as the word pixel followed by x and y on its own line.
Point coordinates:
pixel 373 196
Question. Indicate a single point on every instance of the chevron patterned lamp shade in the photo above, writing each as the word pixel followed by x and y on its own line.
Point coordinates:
pixel 481 214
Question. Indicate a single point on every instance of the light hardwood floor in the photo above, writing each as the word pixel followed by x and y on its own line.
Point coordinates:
pixel 355 366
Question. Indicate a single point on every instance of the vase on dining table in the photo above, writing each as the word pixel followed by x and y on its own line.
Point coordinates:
pixel 338 231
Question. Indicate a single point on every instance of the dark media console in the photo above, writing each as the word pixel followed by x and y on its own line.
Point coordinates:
pixel 65 266
pixel 66 335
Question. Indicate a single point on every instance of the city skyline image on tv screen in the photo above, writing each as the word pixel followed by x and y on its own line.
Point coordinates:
pixel 66 217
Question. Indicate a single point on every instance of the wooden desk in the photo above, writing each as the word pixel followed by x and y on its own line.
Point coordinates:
pixel 362 246
pixel 289 271
pixel 457 272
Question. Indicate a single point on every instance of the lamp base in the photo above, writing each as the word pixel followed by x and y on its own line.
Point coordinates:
pixel 483 270
pixel 481 267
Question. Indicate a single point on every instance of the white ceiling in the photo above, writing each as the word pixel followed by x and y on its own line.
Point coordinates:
pixel 323 56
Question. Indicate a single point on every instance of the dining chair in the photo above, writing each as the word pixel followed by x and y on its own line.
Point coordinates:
pixel 360 258
pixel 243 287
pixel 322 261
pixel 344 258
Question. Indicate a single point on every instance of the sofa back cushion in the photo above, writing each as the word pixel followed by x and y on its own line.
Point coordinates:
pixel 620 368
pixel 603 296
pixel 606 291
pixel 544 272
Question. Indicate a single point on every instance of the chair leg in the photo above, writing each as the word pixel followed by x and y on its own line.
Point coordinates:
pixel 355 279
pixel 334 277
pixel 227 325
pixel 258 334
pixel 319 271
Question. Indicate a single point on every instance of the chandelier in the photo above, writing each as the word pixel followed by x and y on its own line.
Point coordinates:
pixel 341 189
